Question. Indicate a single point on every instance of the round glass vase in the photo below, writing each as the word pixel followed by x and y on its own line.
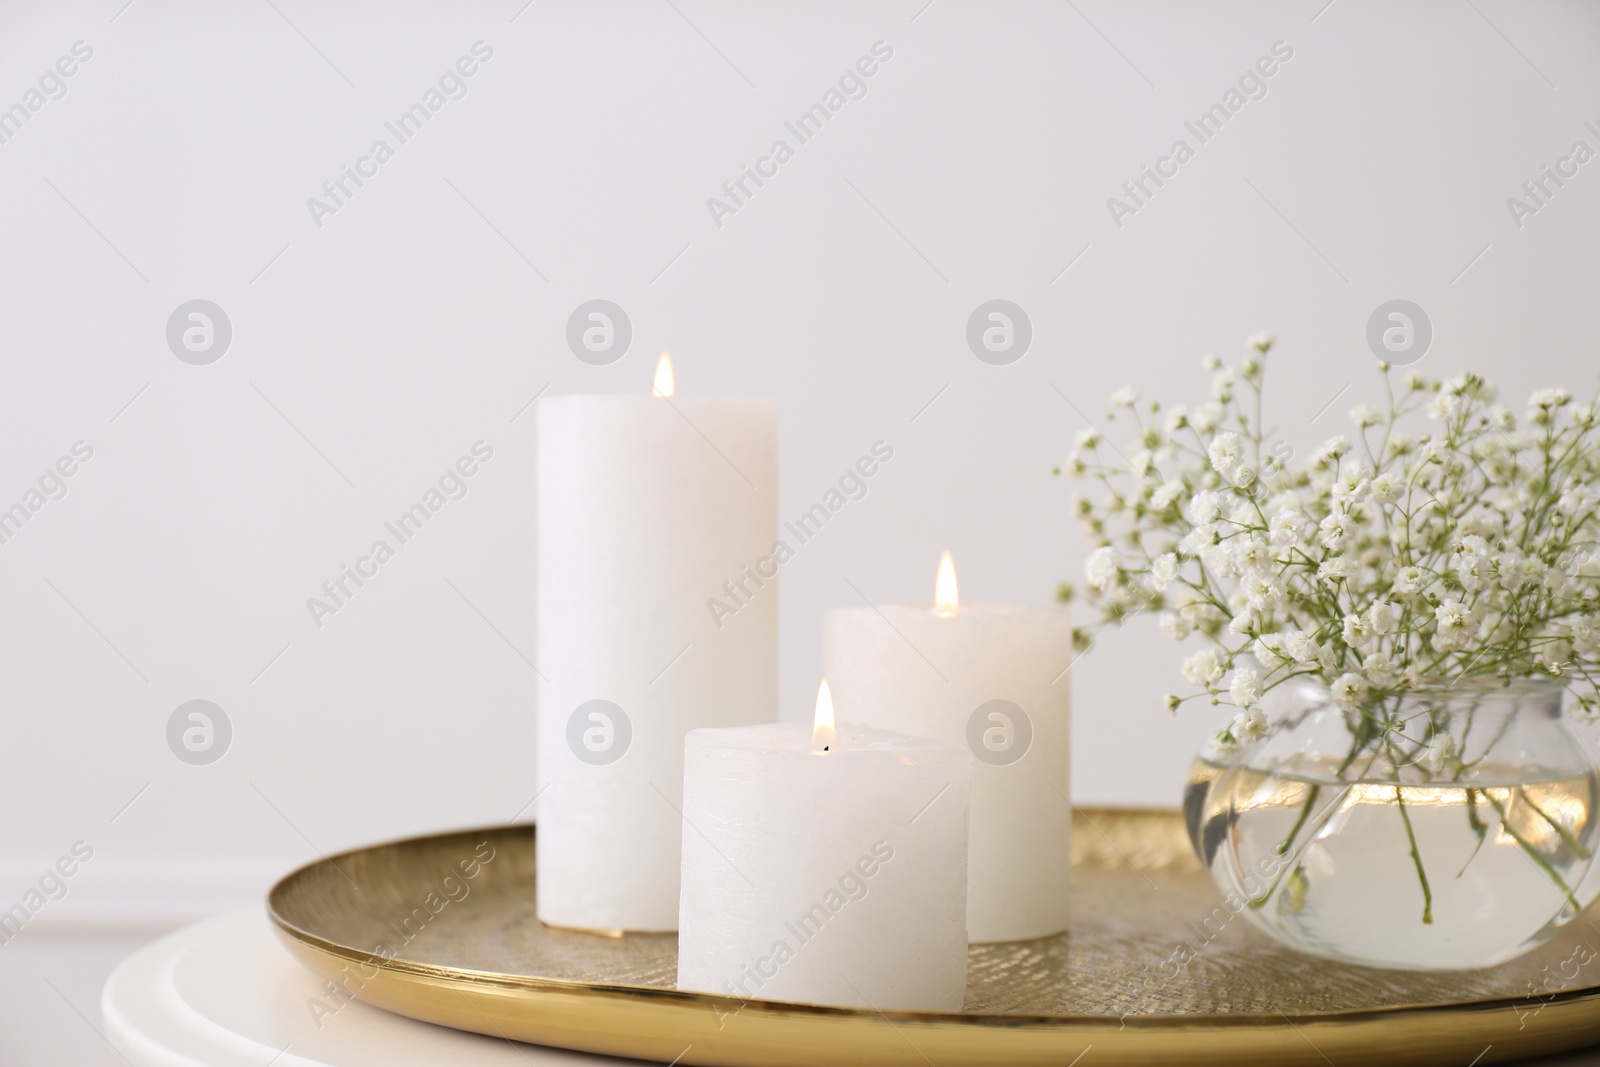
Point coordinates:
pixel 1450 827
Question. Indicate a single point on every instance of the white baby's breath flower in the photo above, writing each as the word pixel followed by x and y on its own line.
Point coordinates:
pixel 1197 540
pixel 1222 386
pixel 1166 494
pixel 1364 415
pixel 1210 362
pixel 1441 756
pixel 1380 669
pixel 1164 571
pixel 1245 688
pixel 1087 439
pixel 1464 547
pixel 1356 632
pixel 1125 397
pixel 1444 406
pixel 1269 651
pixel 1383 616
pixel 1207 417
pixel 1336 531
pixel 1348 690
pixel 1204 667
pixel 1101 568
pixel 1250 553
pixel 1205 506
pixel 1288 528
pixel 1455 625
pixel 1336 569
pixel 1176 626
pixel 1249 726
pixel 1549 398
pixel 1409 581
pixel 1350 486
pixel 1226 452
pixel 1332 449
pixel 1261 342
pixel 1387 487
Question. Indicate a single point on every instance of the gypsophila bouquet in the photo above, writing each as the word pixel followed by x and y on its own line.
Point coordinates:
pixel 1399 556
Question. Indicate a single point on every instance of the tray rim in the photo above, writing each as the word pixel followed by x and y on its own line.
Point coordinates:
pixel 296 935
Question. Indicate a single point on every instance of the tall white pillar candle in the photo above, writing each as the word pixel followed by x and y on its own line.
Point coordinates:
pixel 646 506
pixel 825 877
pixel 992 677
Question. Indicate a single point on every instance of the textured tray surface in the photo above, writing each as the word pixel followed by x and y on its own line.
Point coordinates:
pixel 1151 945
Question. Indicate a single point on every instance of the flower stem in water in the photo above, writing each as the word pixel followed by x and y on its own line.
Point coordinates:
pixel 1305 813
pixel 1416 858
pixel 1560 829
pixel 1533 853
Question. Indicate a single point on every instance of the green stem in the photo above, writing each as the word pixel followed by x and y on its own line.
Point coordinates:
pixel 1533 853
pixel 1479 827
pixel 1305 813
pixel 1416 857
pixel 1564 833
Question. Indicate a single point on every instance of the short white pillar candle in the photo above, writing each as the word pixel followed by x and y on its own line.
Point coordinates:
pixel 647 505
pixel 993 678
pixel 825 870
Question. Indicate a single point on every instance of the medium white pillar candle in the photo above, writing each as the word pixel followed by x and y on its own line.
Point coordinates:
pixel 825 877
pixel 992 677
pixel 646 505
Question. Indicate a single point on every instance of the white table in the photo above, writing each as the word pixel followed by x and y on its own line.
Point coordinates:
pixel 226 993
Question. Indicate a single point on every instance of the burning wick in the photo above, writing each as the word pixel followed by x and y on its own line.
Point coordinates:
pixel 662 386
pixel 945 598
pixel 823 733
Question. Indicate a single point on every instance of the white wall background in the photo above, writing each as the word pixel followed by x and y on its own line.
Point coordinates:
pixel 369 352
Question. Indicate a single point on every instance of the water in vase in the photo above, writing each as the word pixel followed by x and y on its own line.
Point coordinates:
pixel 1428 875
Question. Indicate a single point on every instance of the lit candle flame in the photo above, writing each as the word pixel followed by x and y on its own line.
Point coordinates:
pixel 662 386
pixel 822 734
pixel 945 598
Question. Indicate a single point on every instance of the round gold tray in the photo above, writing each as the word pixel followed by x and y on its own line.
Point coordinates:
pixel 1155 970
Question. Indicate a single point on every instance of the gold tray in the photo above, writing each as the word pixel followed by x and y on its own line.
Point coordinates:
pixel 1155 970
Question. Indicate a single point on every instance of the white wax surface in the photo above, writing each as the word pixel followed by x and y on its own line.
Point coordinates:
pixel 825 878
pixel 908 669
pixel 646 506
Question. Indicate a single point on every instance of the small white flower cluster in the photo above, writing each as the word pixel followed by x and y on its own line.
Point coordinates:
pixel 1469 550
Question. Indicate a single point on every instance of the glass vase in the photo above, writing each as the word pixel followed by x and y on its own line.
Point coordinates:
pixel 1451 827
